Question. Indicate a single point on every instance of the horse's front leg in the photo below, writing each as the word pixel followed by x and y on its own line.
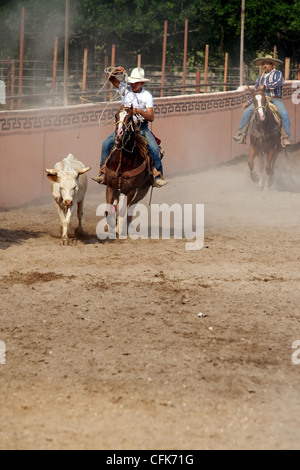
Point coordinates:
pixel 123 219
pixel 110 195
pixel 262 176
pixel 269 168
pixel 253 175
pixel 111 207
pixel 130 198
pixel 79 229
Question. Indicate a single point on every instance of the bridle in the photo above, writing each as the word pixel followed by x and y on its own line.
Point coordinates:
pixel 126 131
pixel 260 106
pixel 118 173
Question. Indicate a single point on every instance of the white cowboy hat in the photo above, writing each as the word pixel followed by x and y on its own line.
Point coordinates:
pixel 267 58
pixel 137 75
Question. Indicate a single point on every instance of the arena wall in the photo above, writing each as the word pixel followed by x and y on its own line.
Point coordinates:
pixel 196 132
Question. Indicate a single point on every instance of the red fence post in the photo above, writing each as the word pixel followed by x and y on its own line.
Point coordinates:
pixel 184 56
pixel 21 56
pixel 206 65
pixel 54 70
pixel 163 66
pixel 113 55
pixel 225 71
pixel 12 89
pixel 85 56
pixel 198 81
pixel 287 68
pixel 66 59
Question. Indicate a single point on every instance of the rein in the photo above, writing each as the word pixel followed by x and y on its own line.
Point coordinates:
pixel 261 107
pixel 127 174
pixel 127 128
pixel 107 70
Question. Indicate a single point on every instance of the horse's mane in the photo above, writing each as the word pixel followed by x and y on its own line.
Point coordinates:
pixel 141 144
pixel 140 141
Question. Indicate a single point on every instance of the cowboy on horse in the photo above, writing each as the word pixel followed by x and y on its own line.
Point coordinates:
pixel 141 101
pixel 271 80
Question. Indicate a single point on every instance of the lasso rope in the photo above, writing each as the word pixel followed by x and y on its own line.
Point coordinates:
pixel 108 70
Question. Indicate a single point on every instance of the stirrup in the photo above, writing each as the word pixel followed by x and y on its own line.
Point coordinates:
pixel 285 140
pixel 159 182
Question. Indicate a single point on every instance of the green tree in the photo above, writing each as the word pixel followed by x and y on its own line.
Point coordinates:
pixel 136 27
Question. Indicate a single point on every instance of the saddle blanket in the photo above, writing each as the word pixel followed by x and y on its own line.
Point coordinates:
pixel 275 112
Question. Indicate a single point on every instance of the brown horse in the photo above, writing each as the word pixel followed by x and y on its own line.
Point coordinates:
pixel 128 169
pixel 265 138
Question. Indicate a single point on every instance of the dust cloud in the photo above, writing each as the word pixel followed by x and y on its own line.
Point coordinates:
pixel 40 29
pixel 230 197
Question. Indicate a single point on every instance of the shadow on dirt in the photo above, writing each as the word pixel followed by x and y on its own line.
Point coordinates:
pixel 16 237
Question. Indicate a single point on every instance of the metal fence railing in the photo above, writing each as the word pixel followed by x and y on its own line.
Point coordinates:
pixel 41 88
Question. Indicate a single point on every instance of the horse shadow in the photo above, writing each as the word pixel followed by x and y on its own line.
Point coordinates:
pixel 87 238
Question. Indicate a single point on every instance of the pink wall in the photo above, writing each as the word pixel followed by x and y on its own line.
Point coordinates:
pixel 196 132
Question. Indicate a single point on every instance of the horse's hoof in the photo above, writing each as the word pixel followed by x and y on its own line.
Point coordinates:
pixel 79 232
pixel 254 177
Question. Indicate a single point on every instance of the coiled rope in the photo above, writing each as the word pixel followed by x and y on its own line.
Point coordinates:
pixel 109 71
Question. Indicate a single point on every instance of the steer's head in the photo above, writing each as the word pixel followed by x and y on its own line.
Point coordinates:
pixel 67 184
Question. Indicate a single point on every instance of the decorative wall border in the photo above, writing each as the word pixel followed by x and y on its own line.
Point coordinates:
pixel 207 104
pixel 50 120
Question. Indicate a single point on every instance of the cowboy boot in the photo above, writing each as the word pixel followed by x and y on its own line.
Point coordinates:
pixel 285 140
pixel 101 178
pixel 158 179
pixel 241 136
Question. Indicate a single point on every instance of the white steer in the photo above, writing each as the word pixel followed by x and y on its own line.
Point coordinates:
pixel 68 186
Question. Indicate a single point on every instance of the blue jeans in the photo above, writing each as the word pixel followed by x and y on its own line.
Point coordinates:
pixel 152 147
pixel 281 110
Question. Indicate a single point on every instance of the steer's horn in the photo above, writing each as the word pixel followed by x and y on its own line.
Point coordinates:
pixel 51 172
pixel 84 170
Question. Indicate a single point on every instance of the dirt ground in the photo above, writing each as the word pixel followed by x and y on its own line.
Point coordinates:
pixel 105 347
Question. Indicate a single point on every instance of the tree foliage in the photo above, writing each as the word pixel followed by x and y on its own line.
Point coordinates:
pixel 136 27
